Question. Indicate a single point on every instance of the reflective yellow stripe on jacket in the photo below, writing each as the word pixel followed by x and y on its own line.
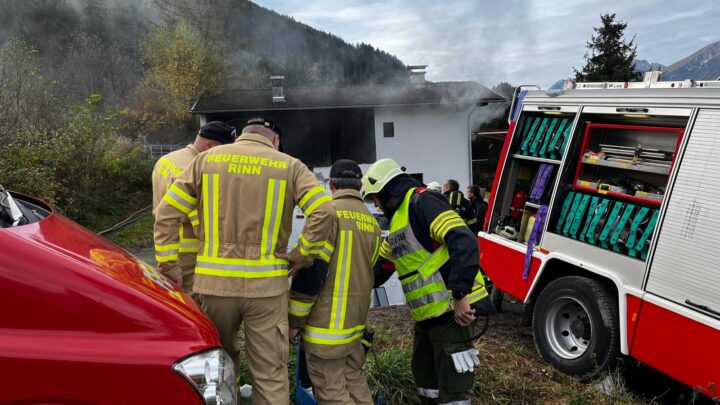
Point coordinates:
pixel 188 245
pixel 313 334
pixel 166 253
pixel 335 333
pixel 321 248
pixel 385 251
pixel 273 217
pixel 193 217
pixel 443 223
pixel 211 214
pixel 247 268
pixel 376 254
pixel 313 199
pixel 180 199
pixel 337 316
pixel 478 291
pixel 299 308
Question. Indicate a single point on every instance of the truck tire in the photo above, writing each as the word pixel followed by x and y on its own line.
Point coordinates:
pixel 575 326
pixel 496 296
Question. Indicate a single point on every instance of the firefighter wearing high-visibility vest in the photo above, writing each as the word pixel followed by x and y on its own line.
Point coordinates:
pixel 461 205
pixel 437 260
pixel 164 173
pixel 332 323
pixel 245 194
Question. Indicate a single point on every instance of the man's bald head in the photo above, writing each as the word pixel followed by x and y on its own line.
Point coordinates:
pixel 268 133
pixel 265 127
pixel 261 130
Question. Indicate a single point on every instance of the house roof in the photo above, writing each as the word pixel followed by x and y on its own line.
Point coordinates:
pixel 371 95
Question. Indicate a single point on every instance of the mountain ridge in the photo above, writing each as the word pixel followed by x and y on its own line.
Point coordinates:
pixel 703 64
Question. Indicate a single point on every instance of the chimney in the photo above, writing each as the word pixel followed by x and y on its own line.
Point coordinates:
pixel 277 89
pixel 652 76
pixel 417 75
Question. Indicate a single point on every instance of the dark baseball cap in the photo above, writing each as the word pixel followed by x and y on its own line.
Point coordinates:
pixel 345 169
pixel 267 123
pixel 218 131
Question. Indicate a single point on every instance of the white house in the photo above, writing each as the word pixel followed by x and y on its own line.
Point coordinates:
pixel 424 126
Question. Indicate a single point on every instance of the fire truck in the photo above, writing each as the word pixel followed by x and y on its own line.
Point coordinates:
pixel 603 220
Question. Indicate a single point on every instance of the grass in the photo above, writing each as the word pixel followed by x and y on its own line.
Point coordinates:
pixel 513 374
pixel 394 378
pixel 511 371
pixel 138 235
pixel 113 213
pixel 395 382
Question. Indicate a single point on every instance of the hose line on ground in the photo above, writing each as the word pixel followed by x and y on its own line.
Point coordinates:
pixel 134 217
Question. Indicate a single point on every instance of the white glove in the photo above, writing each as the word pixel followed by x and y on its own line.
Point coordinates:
pixel 246 391
pixel 465 361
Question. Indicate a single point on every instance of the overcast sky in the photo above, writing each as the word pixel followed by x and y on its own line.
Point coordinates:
pixel 519 41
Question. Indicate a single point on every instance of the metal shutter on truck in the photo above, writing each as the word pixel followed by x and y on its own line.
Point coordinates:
pixel 686 265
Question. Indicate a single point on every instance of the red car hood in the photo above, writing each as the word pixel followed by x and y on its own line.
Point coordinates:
pixel 60 278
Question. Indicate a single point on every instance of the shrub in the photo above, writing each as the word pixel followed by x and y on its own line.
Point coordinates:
pixel 25 170
pixel 82 167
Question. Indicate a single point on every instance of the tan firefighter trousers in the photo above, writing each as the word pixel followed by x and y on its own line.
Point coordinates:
pixel 266 340
pixel 339 381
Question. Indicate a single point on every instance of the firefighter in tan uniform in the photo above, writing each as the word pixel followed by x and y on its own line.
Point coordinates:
pixel 333 322
pixel 245 194
pixel 166 170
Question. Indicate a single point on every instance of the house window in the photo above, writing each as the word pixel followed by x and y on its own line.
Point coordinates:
pixel 388 129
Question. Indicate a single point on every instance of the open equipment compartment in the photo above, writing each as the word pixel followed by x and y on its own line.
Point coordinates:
pixel 627 161
pixel 538 145
pixel 621 170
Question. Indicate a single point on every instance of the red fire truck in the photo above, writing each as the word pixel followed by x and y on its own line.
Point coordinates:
pixel 602 220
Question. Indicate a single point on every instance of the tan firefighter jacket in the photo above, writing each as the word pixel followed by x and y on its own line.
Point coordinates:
pixel 166 170
pixel 244 193
pixel 335 319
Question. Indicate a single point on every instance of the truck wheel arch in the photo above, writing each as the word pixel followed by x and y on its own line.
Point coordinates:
pixel 555 268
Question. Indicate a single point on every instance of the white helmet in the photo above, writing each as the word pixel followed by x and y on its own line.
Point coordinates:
pixel 378 175
pixel 434 186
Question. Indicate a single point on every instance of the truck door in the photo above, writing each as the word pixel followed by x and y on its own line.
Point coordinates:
pixel 678 325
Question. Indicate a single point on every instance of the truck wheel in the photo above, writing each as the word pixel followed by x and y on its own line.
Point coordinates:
pixel 496 296
pixel 575 325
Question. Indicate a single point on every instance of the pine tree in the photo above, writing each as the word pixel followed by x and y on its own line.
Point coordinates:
pixel 504 89
pixel 609 57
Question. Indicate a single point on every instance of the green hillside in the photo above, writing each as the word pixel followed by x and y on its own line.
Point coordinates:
pixel 253 41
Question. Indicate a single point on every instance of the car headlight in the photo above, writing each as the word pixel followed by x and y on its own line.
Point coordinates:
pixel 212 374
